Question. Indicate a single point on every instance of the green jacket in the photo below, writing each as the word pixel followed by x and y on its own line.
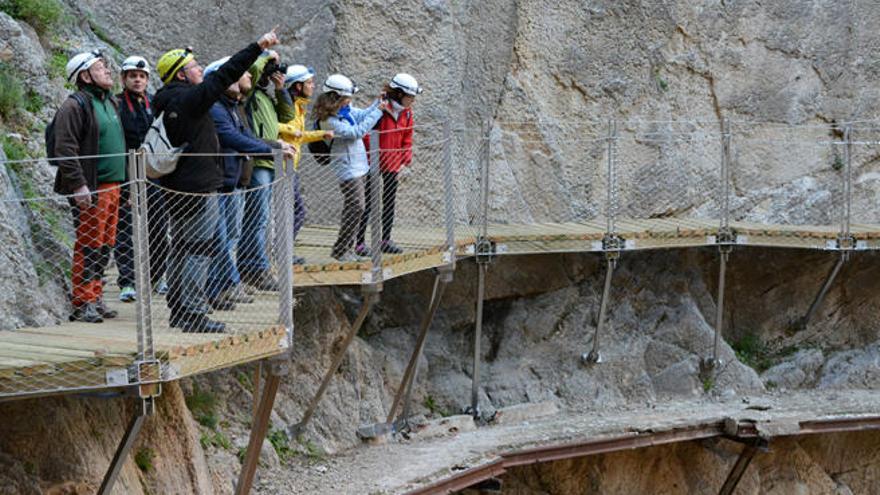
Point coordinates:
pixel 264 112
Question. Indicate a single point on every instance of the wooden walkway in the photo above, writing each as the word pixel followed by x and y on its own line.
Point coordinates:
pixel 81 356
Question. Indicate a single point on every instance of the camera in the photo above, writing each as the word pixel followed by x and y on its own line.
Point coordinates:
pixel 272 67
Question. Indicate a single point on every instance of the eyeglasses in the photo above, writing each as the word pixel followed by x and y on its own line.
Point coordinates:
pixel 176 65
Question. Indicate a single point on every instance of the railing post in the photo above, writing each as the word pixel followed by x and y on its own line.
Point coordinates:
pixel 725 240
pixel 284 246
pixel 375 200
pixel 137 195
pixel 448 194
pixel 612 193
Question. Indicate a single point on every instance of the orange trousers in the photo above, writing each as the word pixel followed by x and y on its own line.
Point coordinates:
pixel 95 237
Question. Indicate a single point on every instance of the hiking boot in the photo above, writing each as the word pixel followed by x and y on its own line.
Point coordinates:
pixel 221 303
pixel 104 311
pixel 298 260
pixel 346 257
pixel 87 313
pixel 363 250
pixel 261 281
pixel 128 294
pixel 237 295
pixel 195 323
pixel 391 248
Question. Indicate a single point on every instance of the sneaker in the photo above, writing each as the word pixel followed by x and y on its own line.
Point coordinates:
pixel 198 324
pixel 391 248
pixel 105 312
pixel 162 288
pixel 298 260
pixel 261 281
pixel 128 294
pixel 363 250
pixel 87 312
pixel 347 257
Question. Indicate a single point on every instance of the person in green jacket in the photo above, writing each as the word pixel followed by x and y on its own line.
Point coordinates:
pixel 267 104
pixel 90 149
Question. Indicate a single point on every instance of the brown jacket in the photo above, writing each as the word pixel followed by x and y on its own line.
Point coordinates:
pixel 76 134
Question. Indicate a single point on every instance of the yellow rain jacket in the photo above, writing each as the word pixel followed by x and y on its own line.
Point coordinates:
pixel 288 131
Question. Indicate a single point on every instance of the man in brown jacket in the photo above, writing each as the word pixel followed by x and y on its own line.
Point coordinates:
pixel 87 125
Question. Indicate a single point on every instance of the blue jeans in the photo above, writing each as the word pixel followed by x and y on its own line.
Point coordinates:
pixel 193 224
pixel 223 273
pixel 252 257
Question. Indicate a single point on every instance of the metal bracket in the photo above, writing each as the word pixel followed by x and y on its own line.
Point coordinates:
pixel 485 250
pixel 612 244
pixel 726 239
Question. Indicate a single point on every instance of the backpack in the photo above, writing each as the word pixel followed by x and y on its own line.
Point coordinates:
pixel 161 157
pixel 320 149
pixel 50 129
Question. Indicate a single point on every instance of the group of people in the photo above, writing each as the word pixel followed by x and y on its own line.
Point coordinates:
pixel 209 217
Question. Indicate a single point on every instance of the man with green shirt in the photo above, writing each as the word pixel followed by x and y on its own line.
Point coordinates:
pixel 267 104
pixel 87 125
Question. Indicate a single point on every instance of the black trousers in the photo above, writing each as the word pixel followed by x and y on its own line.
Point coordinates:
pixel 389 196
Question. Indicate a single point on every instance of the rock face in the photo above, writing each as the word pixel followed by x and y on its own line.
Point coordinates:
pixel 819 464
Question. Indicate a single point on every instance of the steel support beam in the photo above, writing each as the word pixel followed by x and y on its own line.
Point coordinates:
pixel 723 255
pixel 440 281
pixel 147 407
pixel 826 286
pixel 277 369
pixel 478 336
pixel 739 468
pixel 594 357
pixel 370 298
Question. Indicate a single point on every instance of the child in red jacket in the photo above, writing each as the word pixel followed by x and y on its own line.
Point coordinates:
pixel 395 152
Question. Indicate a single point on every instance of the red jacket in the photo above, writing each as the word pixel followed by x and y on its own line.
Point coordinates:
pixel 395 140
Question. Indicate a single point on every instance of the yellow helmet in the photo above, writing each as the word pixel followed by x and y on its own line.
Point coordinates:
pixel 173 61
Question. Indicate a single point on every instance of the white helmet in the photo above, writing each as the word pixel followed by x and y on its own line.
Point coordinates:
pixel 337 83
pixel 406 83
pixel 298 73
pixel 81 62
pixel 135 63
pixel 213 66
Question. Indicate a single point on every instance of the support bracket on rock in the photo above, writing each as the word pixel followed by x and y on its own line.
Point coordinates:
pixel 612 245
pixel 371 297
pixel 845 246
pixel 725 240
pixel 485 255
pixel 404 392
pixel 278 368
pixel 147 407
pixel 750 448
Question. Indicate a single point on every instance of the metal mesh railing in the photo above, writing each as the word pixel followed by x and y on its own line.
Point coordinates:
pixel 204 280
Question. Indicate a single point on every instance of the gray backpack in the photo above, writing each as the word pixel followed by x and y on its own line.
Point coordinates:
pixel 161 157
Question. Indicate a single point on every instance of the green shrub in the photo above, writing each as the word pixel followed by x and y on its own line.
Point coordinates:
pixel 12 95
pixel 203 405
pixel 34 102
pixel 281 443
pixel 57 64
pixel 14 150
pixel 43 15
pixel 144 459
